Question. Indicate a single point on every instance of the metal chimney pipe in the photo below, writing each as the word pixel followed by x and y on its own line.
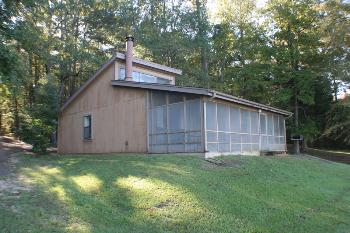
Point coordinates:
pixel 128 57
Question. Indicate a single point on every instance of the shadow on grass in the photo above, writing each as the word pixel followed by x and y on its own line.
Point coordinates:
pixel 157 194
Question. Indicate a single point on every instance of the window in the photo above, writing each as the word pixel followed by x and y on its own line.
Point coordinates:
pixel 87 127
pixel 142 77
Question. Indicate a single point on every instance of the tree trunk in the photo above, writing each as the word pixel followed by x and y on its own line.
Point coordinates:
pixel 335 89
pixel 296 121
pixel 204 65
pixel 294 66
pixel 202 39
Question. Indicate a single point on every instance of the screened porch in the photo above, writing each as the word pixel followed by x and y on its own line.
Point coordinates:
pixel 174 122
pixel 179 122
pixel 239 130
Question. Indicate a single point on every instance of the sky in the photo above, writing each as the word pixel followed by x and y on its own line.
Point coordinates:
pixel 212 7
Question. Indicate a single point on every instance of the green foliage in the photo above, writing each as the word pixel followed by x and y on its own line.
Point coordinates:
pixel 337 129
pixel 38 130
pixel 5 110
pixel 286 51
pixel 37 134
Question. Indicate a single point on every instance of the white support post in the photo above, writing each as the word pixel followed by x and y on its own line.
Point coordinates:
pixel 285 135
pixel 204 126
pixel 148 118
pixel 259 129
pixel 185 123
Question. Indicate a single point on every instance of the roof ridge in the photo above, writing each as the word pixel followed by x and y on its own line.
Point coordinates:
pixel 154 65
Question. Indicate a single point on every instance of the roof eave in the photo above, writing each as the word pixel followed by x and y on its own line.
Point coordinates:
pixel 161 87
pixel 245 102
pixel 199 91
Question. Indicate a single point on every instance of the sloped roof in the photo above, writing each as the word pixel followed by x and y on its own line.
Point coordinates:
pixel 199 91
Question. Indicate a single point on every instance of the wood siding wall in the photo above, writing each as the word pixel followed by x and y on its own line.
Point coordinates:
pixel 119 121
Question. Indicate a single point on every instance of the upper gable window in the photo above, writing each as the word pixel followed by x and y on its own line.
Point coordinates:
pixel 142 77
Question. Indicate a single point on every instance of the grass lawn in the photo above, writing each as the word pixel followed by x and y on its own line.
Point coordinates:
pixel 178 194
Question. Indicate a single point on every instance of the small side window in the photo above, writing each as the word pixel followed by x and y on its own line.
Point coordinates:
pixel 87 127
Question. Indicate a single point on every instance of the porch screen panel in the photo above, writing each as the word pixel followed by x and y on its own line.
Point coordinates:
pixel 236 130
pixel 254 130
pixel 223 117
pixel 159 139
pixel 263 132
pixel 175 123
pixel 211 127
pixel 282 132
pixel 245 121
pixel 263 124
pixel 211 120
pixel 193 125
pixel 274 139
pixel 176 118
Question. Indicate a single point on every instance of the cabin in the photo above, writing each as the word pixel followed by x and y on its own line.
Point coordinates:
pixel 133 106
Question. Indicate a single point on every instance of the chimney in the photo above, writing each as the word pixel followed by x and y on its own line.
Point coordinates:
pixel 128 57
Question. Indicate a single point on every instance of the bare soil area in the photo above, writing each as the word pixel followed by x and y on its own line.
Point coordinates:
pixel 10 184
pixel 8 147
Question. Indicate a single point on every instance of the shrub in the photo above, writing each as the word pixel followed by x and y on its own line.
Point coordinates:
pixel 37 134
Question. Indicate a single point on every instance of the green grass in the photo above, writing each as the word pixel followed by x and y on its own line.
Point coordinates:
pixel 178 194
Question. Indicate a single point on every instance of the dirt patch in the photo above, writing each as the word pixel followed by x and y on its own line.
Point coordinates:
pixel 162 205
pixel 13 185
pixel 223 162
pixel 9 146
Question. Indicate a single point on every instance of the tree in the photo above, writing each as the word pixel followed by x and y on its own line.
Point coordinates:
pixel 336 40
pixel 241 54
pixel 337 130
pixel 296 43
pixel 5 113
